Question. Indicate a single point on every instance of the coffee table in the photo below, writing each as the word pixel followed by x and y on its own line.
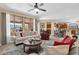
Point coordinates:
pixel 34 46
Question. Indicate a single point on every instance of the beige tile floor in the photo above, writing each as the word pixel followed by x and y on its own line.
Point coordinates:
pixel 6 48
pixel 11 49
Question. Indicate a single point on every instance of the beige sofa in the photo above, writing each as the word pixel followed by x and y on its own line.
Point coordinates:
pixel 21 36
pixel 57 50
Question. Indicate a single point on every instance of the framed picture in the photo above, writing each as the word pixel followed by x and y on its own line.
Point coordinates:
pixel 42 25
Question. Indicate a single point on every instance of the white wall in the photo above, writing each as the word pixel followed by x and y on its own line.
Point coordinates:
pixel 38 26
pixel 34 28
pixel 52 28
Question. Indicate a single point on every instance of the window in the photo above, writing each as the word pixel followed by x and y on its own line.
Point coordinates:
pixel 26 27
pixel 18 27
pixel 18 23
pixel 73 26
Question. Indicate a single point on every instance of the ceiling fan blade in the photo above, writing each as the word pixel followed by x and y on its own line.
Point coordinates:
pixel 30 5
pixel 42 9
pixel 31 9
pixel 41 4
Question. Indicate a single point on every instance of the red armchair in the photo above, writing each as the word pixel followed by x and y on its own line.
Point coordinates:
pixel 44 35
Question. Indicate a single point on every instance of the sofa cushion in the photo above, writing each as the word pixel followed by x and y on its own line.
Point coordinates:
pixel 55 35
pixel 59 43
pixel 58 50
pixel 67 40
pixel 18 34
pixel 24 34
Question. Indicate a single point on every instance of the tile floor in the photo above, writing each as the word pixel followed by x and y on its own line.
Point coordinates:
pixel 11 49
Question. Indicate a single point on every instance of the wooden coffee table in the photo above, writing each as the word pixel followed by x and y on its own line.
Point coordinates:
pixel 34 46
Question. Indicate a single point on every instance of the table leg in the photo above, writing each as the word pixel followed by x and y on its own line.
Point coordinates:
pixel 24 47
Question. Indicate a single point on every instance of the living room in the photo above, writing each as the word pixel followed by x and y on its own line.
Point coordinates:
pixel 42 28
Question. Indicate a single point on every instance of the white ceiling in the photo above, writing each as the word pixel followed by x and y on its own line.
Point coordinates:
pixel 54 10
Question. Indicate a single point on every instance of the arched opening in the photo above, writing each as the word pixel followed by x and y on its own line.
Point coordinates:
pixel 73 27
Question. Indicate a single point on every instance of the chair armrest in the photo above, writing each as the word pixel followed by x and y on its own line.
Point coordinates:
pixel 57 41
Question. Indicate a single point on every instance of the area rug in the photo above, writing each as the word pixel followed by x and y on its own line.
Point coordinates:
pixel 18 50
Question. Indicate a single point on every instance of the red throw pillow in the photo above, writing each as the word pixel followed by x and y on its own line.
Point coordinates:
pixel 59 43
pixel 67 40
pixel 70 43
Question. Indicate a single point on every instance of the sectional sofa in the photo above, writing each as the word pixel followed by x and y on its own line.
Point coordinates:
pixel 19 37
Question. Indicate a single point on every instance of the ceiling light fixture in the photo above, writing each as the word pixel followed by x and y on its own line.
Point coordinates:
pixel 36 9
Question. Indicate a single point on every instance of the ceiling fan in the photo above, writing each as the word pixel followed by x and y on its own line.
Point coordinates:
pixel 36 7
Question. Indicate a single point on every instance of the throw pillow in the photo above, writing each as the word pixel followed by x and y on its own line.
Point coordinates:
pixel 21 34
pixel 59 43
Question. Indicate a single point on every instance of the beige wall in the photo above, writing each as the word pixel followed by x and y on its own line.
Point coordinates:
pixel 0 29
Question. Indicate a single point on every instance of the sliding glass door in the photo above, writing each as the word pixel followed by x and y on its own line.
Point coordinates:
pixel 18 23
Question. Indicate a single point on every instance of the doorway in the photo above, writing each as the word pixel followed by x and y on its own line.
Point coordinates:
pixel 49 27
